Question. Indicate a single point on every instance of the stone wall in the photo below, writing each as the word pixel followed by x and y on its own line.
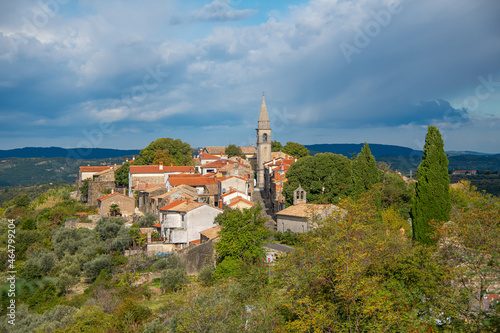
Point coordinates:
pixel 198 256
pixel 97 189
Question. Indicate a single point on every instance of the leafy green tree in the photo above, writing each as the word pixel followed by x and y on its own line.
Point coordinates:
pixel 94 267
pixel 432 197
pixel 365 172
pixel 164 157
pixel 180 152
pixel 173 279
pixel 242 234
pixel 276 146
pixel 325 177
pixel 108 228
pixel 121 174
pixel 295 149
pixel 234 150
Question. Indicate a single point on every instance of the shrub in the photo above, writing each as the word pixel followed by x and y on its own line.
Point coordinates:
pixel 206 276
pixel 173 279
pixel 94 267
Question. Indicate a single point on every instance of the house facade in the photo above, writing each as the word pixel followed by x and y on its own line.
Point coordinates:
pixel 182 221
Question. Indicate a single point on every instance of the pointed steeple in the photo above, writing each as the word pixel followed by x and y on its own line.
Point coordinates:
pixel 263 117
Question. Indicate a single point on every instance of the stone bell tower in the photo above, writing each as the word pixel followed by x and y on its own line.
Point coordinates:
pixel 263 143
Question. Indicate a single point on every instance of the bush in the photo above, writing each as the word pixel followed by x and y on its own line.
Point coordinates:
pixel 94 267
pixel 173 279
pixel 206 276
pixel 147 221
pixel 228 267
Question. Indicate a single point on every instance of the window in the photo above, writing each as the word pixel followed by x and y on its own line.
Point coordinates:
pixel 264 137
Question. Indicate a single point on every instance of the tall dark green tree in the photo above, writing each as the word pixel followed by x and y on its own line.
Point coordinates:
pixel 276 146
pixel 432 197
pixel 365 172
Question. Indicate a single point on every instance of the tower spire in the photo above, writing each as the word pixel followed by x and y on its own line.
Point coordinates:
pixel 263 117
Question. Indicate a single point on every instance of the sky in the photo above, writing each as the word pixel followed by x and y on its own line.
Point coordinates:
pixel 120 74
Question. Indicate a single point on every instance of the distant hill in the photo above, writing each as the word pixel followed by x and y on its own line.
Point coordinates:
pixel 378 150
pixel 73 153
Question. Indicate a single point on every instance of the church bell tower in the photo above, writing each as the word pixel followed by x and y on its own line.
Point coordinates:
pixel 263 143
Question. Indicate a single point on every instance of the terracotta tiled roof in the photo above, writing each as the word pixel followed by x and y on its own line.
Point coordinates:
pixel 134 169
pixel 185 189
pixel 182 206
pixel 94 168
pixel 196 241
pixel 154 188
pixel 239 199
pixel 192 181
pixel 211 233
pixel 305 210
pixel 217 150
pixel 212 189
pixel 143 186
pixel 113 194
pixel 221 163
pixel 205 156
pixel 103 172
pixel 158 225
pixel 231 192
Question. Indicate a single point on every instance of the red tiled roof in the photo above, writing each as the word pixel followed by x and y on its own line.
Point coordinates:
pixel 192 181
pixel 113 194
pixel 206 156
pixel 94 168
pixel 134 169
pixel 220 163
pixel 158 225
pixel 239 199
pixel 196 241
pixel 172 205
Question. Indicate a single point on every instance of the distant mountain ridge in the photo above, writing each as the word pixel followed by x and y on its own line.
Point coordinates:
pixel 378 150
pixel 73 153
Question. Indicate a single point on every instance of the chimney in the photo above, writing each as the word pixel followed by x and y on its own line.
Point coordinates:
pixel 295 158
pixel 253 144
pixel 126 160
pixel 188 200
pixel 161 165
pixel 124 191
pixel 112 191
pixel 171 164
pixel 133 158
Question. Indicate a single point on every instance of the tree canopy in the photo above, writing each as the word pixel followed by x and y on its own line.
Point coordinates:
pixel 121 174
pixel 233 150
pixel 276 146
pixel 365 172
pixel 178 150
pixel 325 177
pixel 295 149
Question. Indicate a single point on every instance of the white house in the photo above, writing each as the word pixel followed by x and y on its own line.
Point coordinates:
pixel 228 196
pixel 182 221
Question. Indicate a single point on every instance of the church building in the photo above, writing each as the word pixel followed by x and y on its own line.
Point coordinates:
pixel 263 143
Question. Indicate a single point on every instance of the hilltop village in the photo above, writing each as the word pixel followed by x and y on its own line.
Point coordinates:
pixel 258 238
pixel 186 199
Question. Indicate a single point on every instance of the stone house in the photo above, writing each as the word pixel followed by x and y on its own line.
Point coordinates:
pixel 153 174
pixel 125 203
pixel 181 192
pixel 182 221
pixel 145 197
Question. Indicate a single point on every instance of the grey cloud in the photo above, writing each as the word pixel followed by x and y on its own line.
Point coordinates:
pixel 221 10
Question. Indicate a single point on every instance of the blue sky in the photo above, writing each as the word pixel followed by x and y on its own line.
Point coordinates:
pixel 120 74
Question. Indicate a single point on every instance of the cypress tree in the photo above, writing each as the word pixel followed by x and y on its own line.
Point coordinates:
pixel 432 197
pixel 365 171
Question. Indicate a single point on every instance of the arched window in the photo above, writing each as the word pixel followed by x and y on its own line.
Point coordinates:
pixel 264 137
